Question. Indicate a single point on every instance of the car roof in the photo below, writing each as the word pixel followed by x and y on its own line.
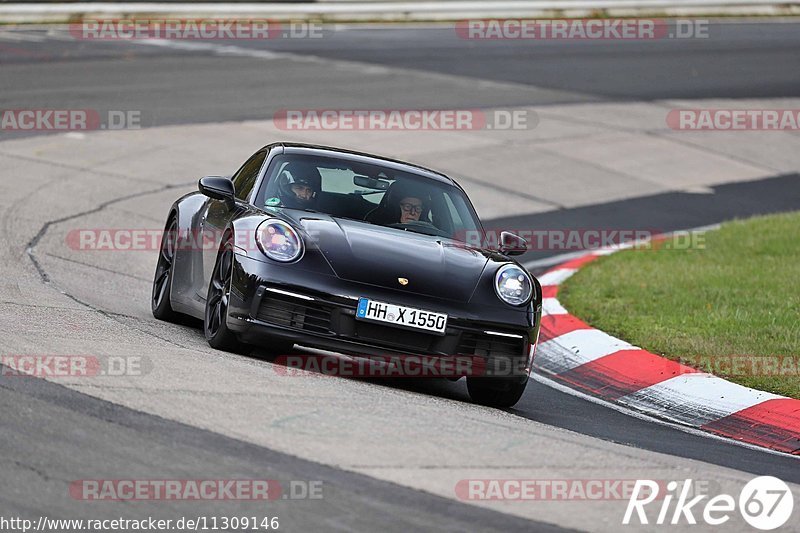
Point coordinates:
pixel 361 157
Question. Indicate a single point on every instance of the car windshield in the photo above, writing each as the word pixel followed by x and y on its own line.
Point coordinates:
pixel 369 193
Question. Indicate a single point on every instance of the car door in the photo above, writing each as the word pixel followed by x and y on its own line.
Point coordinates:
pixel 217 214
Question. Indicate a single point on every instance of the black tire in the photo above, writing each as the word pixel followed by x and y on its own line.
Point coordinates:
pixel 160 303
pixel 495 392
pixel 216 314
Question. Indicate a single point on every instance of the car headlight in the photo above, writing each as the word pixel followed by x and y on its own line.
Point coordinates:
pixel 279 241
pixel 513 285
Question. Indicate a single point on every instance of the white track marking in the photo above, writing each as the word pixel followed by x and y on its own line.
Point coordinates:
pixel 563 258
pixel 695 399
pixel 576 348
pixel 551 306
pixel 549 382
pixel 556 277
pixel 554 260
pixel 218 49
pixel 59 35
pixel 340 64
pixel 18 36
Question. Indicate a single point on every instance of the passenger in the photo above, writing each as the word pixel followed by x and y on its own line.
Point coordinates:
pixel 298 186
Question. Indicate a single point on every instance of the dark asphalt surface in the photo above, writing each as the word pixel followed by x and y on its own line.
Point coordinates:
pixel 669 211
pixel 50 434
pixel 729 63
pixel 174 86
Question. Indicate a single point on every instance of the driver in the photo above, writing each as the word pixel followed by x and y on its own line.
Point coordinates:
pixel 410 209
pixel 403 203
pixel 298 186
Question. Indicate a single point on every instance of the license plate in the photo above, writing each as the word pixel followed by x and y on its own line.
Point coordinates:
pixel 401 316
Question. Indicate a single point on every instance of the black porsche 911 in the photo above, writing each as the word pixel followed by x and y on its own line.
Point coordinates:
pixel 353 253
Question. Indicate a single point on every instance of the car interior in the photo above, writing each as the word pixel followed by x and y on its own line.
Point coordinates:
pixel 372 194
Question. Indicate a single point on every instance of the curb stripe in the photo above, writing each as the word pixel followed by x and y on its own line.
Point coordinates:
pixel 578 347
pixel 764 424
pixel 578 262
pixel 695 399
pixel 549 291
pixel 556 325
pixel 592 361
pixel 556 276
pixel 624 372
pixel 551 306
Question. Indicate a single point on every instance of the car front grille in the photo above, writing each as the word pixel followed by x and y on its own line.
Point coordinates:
pixel 293 313
pixel 490 345
pixel 332 318
pixel 394 337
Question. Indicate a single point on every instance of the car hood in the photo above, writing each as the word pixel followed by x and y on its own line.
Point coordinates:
pixel 372 254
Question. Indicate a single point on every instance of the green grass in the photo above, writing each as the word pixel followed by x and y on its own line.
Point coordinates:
pixel 735 299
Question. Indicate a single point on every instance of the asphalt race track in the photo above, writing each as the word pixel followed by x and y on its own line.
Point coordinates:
pixel 199 84
pixel 388 455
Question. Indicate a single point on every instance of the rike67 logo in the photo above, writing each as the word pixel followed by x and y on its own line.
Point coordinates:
pixel 765 503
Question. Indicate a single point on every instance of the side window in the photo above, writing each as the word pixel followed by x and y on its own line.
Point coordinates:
pixel 245 178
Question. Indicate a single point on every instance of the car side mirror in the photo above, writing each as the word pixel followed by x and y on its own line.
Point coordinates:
pixel 512 244
pixel 218 188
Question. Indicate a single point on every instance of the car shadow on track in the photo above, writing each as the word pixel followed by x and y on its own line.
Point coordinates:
pixel 287 365
pixel 429 386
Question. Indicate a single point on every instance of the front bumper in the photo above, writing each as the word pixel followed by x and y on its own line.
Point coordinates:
pixel 270 300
